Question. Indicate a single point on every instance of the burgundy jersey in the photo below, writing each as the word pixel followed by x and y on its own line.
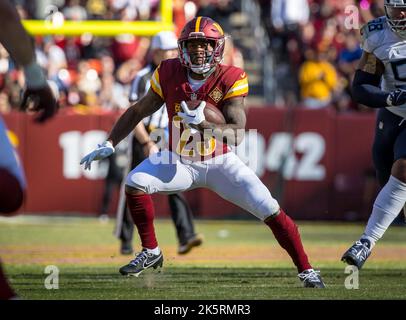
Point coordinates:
pixel 170 82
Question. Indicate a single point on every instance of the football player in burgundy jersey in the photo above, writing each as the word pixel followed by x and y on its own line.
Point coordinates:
pixel 198 153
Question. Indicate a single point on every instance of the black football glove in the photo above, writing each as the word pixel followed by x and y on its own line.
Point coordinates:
pixel 41 101
pixel 396 98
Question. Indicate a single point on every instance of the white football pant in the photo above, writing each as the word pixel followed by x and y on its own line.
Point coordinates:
pixel 165 172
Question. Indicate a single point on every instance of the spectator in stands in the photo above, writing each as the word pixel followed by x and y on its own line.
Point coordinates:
pixel 289 14
pixel 56 58
pixel 88 78
pixel 219 10
pixel 131 10
pixel 232 55
pixel 96 9
pixel 285 30
pixel 74 11
pixel 4 104
pixel 293 25
pixel 349 55
pixel 112 95
pixel 317 79
pixel 181 12
pixel 72 52
pixel 346 64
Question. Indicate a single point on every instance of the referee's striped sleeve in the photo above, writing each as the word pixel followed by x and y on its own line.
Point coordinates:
pixel 155 85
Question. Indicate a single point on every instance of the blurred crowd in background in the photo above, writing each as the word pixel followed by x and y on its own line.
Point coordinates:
pixel 312 52
pixel 316 44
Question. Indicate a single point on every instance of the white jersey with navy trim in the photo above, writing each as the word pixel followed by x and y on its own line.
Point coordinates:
pixel 139 87
pixel 388 47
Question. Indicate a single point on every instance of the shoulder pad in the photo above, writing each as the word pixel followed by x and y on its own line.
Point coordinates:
pixel 371 33
pixel 372 27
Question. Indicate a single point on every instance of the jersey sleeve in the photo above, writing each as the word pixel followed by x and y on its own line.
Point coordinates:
pixel 239 87
pixel 371 34
pixel 155 83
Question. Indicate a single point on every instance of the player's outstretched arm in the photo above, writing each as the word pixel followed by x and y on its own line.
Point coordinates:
pixel 144 107
pixel 366 85
pixel 150 103
pixel 13 35
pixel 38 96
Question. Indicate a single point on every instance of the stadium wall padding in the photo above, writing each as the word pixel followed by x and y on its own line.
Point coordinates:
pixel 317 163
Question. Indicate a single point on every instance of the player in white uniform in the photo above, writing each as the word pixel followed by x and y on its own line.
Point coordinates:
pixel 37 97
pixel 380 82
pixel 198 73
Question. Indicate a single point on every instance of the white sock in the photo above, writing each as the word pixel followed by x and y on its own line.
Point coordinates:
pixel 389 202
pixel 154 251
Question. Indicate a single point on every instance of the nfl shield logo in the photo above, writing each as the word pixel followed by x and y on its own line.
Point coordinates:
pixel 193 96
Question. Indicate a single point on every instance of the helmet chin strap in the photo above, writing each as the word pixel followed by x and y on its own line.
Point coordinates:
pixel 202 73
pixel 201 69
pixel 399 31
pixel 204 70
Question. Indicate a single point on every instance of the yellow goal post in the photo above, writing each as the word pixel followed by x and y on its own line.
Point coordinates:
pixel 104 28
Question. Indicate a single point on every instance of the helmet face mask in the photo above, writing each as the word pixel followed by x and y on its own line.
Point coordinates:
pixel 395 11
pixel 200 55
pixel 201 45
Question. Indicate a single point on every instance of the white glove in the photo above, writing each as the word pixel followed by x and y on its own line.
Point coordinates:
pixel 195 116
pixel 103 151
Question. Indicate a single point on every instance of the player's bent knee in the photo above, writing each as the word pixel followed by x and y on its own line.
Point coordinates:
pixel 11 193
pixel 139 181
pixel 399 170
pixel 267 209
pixel 272 216
pixel 133 191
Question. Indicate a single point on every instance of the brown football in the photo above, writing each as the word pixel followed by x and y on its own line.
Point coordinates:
pixel 211 113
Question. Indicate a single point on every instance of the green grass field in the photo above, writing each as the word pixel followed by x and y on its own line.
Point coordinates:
pixel 238 260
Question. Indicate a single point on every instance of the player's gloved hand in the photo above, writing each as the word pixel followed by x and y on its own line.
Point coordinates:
pixel 103 151
pixel 396 98
pixel 38 96
pixel 43 102
pixel 195 116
